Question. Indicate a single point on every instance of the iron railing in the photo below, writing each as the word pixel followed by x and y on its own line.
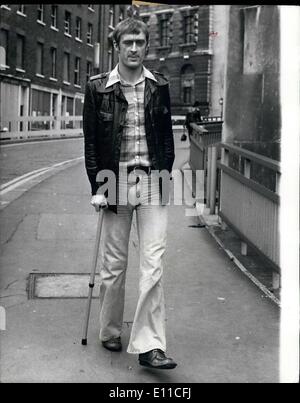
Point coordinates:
pixel 250 205
pixel 204 155
pixel 40 126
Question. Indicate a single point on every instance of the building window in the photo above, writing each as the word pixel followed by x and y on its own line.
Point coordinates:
pixel 111 16
pixel 54 16
pixel 66 76
pixel 21 9
pixel 109 66
pixel 164 32
pixel 77 71
pixel 88 70
pixel 187 84
pixel 67 23
pixel 40 10
pixel 78 31
pixel 53 53
pixel 187 95
pixel 40 59
pixel 89 34
pixel 20 51
pixel 40 106
pixel 188 29
pixel 4 45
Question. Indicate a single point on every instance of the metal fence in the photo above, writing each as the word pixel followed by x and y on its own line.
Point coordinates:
pixel 40 126
pixel 204 154
pixel 251 208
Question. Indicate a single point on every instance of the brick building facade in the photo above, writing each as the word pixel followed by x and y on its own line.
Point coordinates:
pixel 181 48
pixel 47 52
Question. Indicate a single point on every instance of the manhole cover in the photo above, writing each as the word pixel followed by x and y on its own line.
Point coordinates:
pixel 60 285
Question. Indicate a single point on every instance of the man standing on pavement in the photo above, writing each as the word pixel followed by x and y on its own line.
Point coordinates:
pixel 194 116
pixel 128 130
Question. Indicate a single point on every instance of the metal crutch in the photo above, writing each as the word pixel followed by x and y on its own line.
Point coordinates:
pixel 92 277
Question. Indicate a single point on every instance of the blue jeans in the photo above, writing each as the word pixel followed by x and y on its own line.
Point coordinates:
pixel 148 328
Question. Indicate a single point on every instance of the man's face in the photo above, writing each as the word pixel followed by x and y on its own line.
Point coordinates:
pixel 132 50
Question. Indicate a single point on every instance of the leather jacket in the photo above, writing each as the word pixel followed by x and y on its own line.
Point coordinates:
pixel 104 115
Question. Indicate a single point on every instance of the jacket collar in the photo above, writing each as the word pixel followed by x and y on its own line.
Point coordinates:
pixel 151 84
pixel 114 76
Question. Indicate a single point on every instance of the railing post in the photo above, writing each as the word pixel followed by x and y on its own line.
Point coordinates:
pixel 213 179
pixel 224 161
pixel 275 275
pixel 275 280
pixel 277 185
pixel 225 157
pixel 208 178
pixel 247 170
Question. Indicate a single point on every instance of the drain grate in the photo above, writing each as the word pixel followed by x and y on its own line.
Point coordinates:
pixel 60 285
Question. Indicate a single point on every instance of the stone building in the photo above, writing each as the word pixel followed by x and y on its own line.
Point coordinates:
pixel 47 53
pixel 183 40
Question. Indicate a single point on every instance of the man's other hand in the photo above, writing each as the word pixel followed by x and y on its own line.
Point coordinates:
pixel 99 201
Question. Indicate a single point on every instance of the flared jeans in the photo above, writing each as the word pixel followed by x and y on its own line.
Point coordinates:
pixel 148 328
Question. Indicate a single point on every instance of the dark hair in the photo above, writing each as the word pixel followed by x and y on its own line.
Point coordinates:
pixel 197 103
pixel 130 25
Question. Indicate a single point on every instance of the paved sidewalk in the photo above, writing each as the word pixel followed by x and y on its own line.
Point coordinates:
pixel 220 327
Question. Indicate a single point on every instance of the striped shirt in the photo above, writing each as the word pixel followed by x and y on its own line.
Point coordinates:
pixel 134 149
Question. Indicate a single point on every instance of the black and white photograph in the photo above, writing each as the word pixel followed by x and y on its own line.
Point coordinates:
pixel 149 195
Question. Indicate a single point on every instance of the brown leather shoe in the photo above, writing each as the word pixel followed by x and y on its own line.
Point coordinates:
pixel 156 359
pixel 113 344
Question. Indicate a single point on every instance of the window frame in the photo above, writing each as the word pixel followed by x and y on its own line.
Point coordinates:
pixel 67 80
pixel 188 29
pixel 164 32
pixel 41 9
pixel 6 47
pixel 54 16
pixel 68 23
pixel 89 34
pixel 78 19
pixel 21 10
pixel 77 71
pixel 109 57
pixel 40 45
pixel 53 52
pixel 111 13
pixel 187 91
pixel 88 73
pixel 22 66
